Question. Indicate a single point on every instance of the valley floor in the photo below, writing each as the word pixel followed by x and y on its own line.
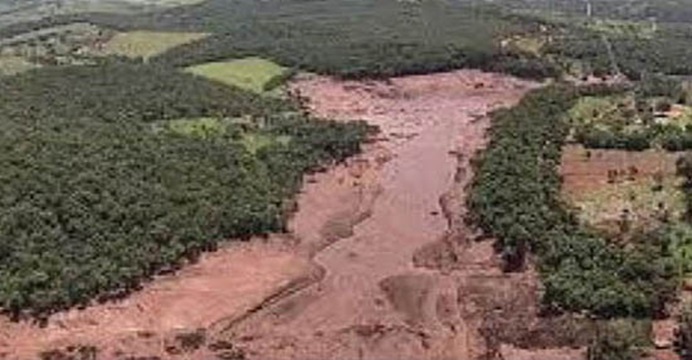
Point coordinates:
pixel 377 263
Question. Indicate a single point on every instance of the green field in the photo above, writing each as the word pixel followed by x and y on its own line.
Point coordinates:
pixel 146 44
pixel 603 206
pixel 250 73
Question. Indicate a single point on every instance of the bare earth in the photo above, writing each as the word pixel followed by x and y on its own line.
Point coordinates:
pixel 377 264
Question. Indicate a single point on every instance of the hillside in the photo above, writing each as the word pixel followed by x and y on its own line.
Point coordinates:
pixel 310 179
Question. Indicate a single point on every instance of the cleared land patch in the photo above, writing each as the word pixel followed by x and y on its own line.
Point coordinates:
pixel 10 65
pixel 613 189
pixel 145 44
pixel 252 73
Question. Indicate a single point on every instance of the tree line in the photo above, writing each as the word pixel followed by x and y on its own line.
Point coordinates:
pixel 515 197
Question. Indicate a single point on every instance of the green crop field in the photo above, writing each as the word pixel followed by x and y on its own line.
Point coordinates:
pixel 145 44
pixel 250 73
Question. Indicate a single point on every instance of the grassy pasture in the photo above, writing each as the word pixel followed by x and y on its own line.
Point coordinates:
pixel 11 65
pixel 680 115
pixel 199 128
pixel 208 127
pixel 250 73
pixel 145 44
pixel 600 111
pixel 623 28
pixel 254 142
pixel 645 186
pixel 527 44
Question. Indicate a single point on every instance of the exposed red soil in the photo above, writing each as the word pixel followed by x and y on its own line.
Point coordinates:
pixel 605 184
pixel 377 264
pixel 197 297
pixel 584 173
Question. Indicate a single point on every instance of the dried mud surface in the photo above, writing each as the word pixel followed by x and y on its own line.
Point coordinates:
pixel 377 263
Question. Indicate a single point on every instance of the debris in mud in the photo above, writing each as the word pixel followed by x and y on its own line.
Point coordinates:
pixel 370 330
pixel 442 255
pixel 226 350
pixel 185 341
pixel 71 352
pixel 411 295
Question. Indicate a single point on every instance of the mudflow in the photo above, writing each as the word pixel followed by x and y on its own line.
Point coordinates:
pixel 377 264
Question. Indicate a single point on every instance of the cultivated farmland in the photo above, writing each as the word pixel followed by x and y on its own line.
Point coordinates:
pixel 146 44
pixel 254 74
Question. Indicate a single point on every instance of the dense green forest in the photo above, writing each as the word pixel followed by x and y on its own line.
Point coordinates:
pixel 117 91
pixel 635 56
pixel 637 118
pixel 515 198
pixel 101 188
pixel 383 38
pixel 349 38
pixel 98 192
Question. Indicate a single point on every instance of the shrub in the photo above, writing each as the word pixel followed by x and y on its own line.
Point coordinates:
pixel 617 340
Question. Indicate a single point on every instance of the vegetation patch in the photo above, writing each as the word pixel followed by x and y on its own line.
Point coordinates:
pixel 255 142
pixel 622 193
pixel 146 44
pixel 72 43
pixel 530 44
pixel 254 74
pixel 655 114
pixel 344 38
pixel 202 128
pixel 632 54
pixel 515 197
pixel 636 29
pixel 11 65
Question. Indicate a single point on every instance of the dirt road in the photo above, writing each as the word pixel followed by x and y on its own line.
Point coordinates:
pixel 377 263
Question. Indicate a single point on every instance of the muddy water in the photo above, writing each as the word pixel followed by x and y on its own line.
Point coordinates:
pixel 373 303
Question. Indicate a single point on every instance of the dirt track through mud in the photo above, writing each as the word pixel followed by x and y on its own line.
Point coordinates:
pixel 376 264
